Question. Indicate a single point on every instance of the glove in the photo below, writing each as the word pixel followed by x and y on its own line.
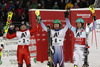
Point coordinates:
pixel 94 16
pixel 38 19
pixel 86 51
pixel 67 12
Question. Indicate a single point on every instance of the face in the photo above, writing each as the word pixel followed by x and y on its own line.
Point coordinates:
pixel 23 27
pixel 79 25
pixel 56 26
pixel 12 28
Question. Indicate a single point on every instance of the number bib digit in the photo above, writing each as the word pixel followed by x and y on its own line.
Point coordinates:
pixel 24 41
pixel 57 41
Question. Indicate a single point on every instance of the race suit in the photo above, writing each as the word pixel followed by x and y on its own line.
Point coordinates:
pixel 23 44
pixel 80 40
pixel 57 42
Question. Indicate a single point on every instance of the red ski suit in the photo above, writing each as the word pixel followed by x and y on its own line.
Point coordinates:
pixel 22 49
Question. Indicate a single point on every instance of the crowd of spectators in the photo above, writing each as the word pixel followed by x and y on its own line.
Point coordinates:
pixel 20 8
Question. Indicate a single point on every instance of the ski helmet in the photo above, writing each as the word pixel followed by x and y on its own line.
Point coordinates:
pixel 80 20
pixel 57 21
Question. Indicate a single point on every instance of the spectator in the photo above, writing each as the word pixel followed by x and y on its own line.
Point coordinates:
pixel 23 16
pixel 19 11
pixel 3 14
pixel 21 3
pixel 3 4
pixel 69 5
pixel 42 7
pixel 34 4
pixel 11 5
pixel 76 5
pixel 84 3
pixel 28 4
pixel 66 1
pixel 48 4
pixel 39 6
pixel 16 5
pixel 7 5
pixel 92 2
pixel 55 6
pixel 15 15
pixel 62 4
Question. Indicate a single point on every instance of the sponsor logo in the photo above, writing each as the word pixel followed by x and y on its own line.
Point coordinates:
pixel 78 39
pixel 52 20
pixel 13 61
pixel 84 15
pixel 7 53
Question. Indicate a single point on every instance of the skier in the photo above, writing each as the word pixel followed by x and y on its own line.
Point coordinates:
pixel 80 39
pixel 57 35
pixel 23 37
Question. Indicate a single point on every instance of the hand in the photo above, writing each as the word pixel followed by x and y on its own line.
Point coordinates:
pixel 38 19
pixel 94 16
pixel 66 14
pixel 52 49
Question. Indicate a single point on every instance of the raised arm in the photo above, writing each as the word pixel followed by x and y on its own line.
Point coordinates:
pixel 68 22
pixel 43 26
pixel 11 36
pixel 94 24
pixel 34 30
pixel 39 20
pixel 70 26
pixel 66 27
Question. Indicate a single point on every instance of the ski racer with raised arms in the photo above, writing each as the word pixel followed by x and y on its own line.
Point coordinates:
pixel 80 39
pixel 57 36
pixel 23 37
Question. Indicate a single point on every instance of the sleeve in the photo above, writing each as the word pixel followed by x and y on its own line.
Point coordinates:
pixel 70 26
pixel 43 26
pixel 66 27
pixel 11 36
pixel 34 30
pixel 94 26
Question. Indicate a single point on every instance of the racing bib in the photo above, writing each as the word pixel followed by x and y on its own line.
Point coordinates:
pixel 23 37
pixel 57 41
